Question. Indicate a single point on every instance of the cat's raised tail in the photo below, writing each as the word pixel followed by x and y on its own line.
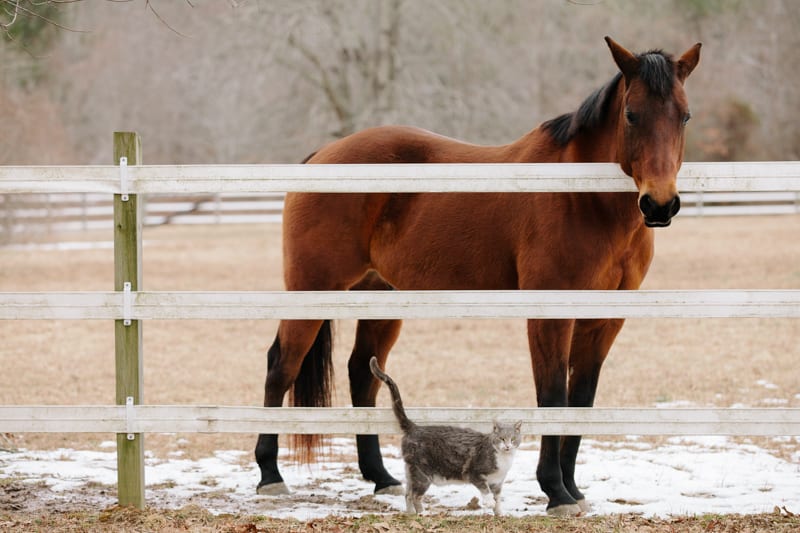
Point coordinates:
pixel 397 402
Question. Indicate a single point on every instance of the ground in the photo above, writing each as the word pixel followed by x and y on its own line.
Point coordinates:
pixel 708 362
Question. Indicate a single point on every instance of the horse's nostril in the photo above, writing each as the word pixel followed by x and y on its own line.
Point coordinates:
pixel 647 205
pixel 674 206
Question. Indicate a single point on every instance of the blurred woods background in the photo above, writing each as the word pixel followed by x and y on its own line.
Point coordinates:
pixel 252 81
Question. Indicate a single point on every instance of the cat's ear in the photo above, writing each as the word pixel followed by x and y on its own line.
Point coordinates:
pixel 518 426
pixel 495 429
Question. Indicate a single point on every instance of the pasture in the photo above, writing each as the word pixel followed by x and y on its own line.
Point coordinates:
pixel 708 362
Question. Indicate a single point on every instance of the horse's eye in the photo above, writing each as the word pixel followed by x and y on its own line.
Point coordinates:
pixel 631 117
pixel 686 117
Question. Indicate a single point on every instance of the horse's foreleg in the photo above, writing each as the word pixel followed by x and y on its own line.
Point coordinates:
pixel 590 344
pixel 373 338
pixel 550 342
pixel 285 358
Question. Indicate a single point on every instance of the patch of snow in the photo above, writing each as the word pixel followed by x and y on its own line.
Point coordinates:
pixel 775 401
pixel 766 384
pixel 689 475
pixel 674 404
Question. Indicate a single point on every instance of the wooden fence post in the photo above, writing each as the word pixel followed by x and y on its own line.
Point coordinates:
pixel 128 333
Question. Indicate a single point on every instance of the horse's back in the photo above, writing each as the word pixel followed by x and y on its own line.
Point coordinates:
pixel 403 144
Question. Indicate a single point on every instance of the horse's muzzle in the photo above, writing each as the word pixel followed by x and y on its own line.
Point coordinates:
pixel 658 216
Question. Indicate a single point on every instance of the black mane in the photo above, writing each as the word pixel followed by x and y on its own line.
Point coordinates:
pixel 656 70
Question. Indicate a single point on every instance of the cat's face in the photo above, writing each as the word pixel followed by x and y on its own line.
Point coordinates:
pixel 506 437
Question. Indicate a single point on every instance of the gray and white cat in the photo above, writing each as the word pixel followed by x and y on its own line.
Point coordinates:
pixel 448 454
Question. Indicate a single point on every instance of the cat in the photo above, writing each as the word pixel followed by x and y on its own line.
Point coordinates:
pixel 448 454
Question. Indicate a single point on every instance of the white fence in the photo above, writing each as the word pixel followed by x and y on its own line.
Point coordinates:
pixel 347 421
pixel 126 306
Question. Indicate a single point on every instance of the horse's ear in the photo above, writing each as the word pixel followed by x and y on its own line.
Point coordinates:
pixel 626 61
pixel 688 61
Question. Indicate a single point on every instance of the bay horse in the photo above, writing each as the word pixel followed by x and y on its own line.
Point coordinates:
pixel 464 241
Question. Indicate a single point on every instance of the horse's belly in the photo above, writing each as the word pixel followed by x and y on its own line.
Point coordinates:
pixel 445 242
pixel 431 268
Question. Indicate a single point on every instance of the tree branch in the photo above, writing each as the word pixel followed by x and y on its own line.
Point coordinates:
pixel 324 82
pixel 13 16
pixel 162 20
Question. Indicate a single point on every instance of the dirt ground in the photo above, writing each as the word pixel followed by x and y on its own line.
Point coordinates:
pixel 698 362
pixel 197 520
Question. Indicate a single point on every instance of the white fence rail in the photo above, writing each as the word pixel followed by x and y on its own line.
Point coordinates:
pixel 400 304
pixel 771 421
pixel 540 177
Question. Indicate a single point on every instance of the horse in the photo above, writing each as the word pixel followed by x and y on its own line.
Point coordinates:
pixel 489 241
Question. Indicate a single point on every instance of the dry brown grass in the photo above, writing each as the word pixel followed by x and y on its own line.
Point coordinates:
pixel 714 362
pixel 199 520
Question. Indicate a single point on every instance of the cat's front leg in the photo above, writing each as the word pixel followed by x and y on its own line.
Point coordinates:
pixel 487 495
pixel 496 493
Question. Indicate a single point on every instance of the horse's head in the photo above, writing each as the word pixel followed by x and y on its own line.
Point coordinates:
pixel 651 132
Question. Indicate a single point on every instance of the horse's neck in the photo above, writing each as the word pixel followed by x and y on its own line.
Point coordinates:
pixel 598 145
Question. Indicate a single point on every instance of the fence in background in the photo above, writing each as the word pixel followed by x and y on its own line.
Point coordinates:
pixel 31 214
pixel 128 306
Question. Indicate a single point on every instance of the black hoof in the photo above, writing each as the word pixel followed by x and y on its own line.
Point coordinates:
pixel 566 510
pixel 272 489
pixel 389 486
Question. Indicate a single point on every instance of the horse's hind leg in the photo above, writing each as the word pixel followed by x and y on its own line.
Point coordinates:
pixel 373 338
pixel 590 345
pixel 295 339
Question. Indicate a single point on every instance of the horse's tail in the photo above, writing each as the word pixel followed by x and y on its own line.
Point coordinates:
pixel 312 388
pixel 314 383
pixel 397 403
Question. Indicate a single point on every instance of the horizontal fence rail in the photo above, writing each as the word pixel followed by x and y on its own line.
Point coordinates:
pixel 347 421
pixel 476 177
pixel 400 304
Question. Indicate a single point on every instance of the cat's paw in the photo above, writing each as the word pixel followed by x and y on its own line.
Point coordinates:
pixel 489 501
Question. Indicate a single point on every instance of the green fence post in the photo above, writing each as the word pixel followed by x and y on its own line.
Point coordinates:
pixel 128 333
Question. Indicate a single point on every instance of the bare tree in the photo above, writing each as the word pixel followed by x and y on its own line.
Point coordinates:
pixel 248 81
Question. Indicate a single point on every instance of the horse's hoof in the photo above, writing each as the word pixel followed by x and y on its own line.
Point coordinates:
pixel 273 489
pixel 391 490
pixel 566 510
pixel 584 505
